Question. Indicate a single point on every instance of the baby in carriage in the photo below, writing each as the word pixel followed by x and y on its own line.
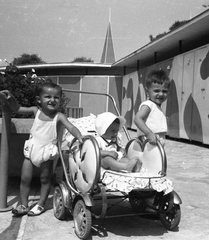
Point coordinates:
pixel 107 127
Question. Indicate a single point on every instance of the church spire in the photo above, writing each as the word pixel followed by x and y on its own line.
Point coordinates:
pixel 108 55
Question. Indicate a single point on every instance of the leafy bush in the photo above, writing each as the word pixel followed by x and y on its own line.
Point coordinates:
pixel 24 88
pixel 26 59
pixel 82 59
pixel 178 24
pixel 174 26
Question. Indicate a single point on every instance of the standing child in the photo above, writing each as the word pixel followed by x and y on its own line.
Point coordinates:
pixel 107 126
pixel 41 148
pixel 150 119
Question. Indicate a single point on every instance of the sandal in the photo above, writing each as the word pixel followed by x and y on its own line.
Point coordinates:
pixel 36 210
pixel 20 210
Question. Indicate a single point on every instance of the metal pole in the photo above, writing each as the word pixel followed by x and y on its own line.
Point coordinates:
pixel 4 157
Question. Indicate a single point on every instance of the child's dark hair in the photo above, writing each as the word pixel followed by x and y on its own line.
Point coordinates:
pixel 157 76
pixel 49 84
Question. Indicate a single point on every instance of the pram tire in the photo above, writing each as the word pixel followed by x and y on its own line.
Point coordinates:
pixel 58 204
pixel 82 219
pixel 171 219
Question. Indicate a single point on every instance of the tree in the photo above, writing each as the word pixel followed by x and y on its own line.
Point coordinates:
pixel 205 5
pixel 24 88
pixel 156 37
pixel 82 59
pixel 177 24
pixel 174 26
pixel 26 59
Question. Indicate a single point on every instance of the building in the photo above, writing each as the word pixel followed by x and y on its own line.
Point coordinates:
pixel 183 53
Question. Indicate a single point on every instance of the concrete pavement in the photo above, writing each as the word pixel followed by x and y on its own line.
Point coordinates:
pixel 188 168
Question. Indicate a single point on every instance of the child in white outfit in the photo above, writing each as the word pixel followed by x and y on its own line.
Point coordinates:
pixel 150 119
pixel 107 126
pixel 44 149
pixel 41 148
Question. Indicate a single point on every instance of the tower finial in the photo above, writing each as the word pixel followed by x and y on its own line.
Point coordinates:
pixel 108 55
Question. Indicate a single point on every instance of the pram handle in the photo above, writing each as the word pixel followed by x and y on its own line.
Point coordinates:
pixel 64 168
pixel 162 152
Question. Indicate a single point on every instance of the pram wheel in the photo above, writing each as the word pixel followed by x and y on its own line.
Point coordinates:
pixel 58 203
pixel 82 219
pixel 171 219
pixel 137 200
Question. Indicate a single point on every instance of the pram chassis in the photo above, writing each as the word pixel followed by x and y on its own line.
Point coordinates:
pixel 81 205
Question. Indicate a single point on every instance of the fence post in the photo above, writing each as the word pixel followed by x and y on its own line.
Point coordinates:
pixel 4 157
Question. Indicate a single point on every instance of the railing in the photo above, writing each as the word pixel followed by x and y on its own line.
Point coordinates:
pixel 74 112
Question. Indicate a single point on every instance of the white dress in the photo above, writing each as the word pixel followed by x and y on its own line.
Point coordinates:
pixel 42 143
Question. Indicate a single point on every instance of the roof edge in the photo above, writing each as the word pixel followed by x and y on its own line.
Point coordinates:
pixel 170 33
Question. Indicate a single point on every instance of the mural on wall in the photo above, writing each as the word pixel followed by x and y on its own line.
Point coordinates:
pixel 172 111
pixel 204 68
pixel 133 92
pixel 115 90
pixel 186 107
pixel 196 127
pixel 128 94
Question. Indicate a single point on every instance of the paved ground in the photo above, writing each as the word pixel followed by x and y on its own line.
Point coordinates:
pixel 188 168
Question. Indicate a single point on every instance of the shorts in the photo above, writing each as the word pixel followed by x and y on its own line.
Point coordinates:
pixel 40 153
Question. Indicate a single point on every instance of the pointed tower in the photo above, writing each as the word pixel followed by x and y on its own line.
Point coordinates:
pixel 108 55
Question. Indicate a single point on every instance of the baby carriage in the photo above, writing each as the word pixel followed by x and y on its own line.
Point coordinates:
pixel 85 185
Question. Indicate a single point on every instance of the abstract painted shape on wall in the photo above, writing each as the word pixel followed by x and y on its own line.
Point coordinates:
pixel 187 117
pixel 204 68
pixel 138 96
pixel 172 111
pixel 197 128
pixel 193 123
pixel 129 96
pixel 138 101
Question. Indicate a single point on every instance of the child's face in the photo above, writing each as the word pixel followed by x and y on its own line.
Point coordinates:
pixel 112 131
pixel 157 93
pixel 50 99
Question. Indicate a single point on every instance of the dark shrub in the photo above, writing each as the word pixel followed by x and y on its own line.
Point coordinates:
pixel 24 89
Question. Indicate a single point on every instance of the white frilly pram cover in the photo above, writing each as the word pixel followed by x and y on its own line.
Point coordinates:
pixel 125 182
pixel 120 181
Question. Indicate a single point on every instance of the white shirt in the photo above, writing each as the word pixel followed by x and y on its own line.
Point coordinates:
pixel 156 120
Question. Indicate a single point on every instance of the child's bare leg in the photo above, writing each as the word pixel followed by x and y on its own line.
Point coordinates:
pixel 124 160
pixel 138 166
pixel 111 163
pixel 45 178
pixel 26 177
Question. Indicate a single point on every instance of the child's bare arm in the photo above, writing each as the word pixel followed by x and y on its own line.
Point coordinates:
pixel 17 107
pixel 112 154
pixel 70 127
pixel 140 119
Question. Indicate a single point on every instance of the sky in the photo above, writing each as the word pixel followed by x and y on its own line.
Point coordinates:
pixel 61 30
